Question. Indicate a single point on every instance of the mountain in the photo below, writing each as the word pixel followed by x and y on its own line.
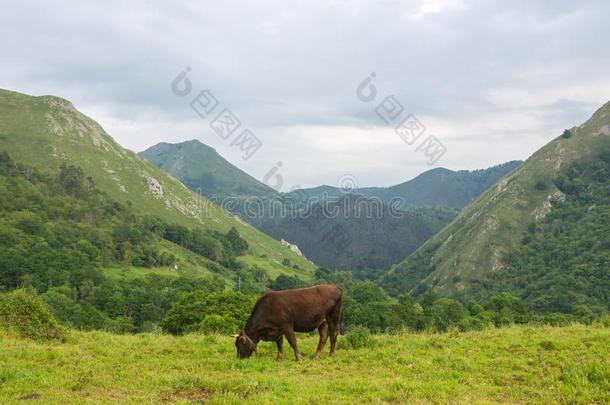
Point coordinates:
pixel 432 200
pixel 44 132
pixel 356 233
pixel 436 187
pixel 542 231
pixel 200 167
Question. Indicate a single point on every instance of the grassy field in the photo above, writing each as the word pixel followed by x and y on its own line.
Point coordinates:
pixel 510 365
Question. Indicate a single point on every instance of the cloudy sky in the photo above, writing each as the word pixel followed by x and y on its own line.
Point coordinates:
pixel 491 80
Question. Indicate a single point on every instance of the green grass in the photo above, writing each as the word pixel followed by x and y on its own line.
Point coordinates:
pixel 511 365
pixel 274 268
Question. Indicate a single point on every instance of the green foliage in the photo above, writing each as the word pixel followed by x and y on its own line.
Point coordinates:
pixel 541 185
pixel 286 262
pixel 358 337
pixel 200 311
pixel 239 244
pixel 214 323
pixel 567 134
pixel 284 282
pixel 446 313
pixel 367 305
pixel 57 233
pixel 27 316
pixel 562 262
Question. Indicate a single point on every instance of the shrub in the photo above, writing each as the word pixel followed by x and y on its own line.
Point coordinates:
pixel 357 338
pixel 28 317
pixel 189 313
pixel 215 323
pixel 284 282
pixel 567 134
pixel 541 185
pixel 508 309
pixel 446 312
pixel 471 323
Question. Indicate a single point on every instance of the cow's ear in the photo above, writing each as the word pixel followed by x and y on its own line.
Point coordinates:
pixel 243 339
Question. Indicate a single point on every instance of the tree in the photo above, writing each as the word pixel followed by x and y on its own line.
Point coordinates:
pixel 72 178
pixel 239 244
pixel 284 282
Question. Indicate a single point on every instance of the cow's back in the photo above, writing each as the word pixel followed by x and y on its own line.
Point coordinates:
pixel 304 307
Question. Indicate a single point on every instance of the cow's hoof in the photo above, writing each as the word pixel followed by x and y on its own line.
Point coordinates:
pixel 333 354
pixel 316 356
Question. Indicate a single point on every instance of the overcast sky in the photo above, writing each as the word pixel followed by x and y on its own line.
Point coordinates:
pixel 492 80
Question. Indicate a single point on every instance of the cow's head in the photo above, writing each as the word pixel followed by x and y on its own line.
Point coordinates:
pixel 245 346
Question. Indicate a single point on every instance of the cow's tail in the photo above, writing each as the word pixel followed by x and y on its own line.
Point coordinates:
pixel 342 327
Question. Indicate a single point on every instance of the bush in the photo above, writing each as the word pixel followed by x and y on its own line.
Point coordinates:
pixel 446 312
pixel 357 338
pixel 28 317
pixel 189 313
pixel 215 323
pixel 472 323
pixel 555 319
pixel 567 134
pixel 541 185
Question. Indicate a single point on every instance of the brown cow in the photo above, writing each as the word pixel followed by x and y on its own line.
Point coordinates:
pixel 280 313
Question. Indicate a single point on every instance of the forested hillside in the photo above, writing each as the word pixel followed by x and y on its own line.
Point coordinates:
pixel 563 261
pixel 541 233
pixel 44 132
pixel 99 263
pixel 356 233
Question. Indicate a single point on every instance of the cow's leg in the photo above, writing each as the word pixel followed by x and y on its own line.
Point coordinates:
pixel 333 341
pixel 334 320
pixel 280 345
pixel 323 329
pixel 292 339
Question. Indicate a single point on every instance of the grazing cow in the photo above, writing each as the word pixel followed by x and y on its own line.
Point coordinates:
pixel 280 313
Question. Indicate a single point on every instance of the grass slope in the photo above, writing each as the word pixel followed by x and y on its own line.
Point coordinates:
pixel 477 240
pixel 510 365
pixel 45 131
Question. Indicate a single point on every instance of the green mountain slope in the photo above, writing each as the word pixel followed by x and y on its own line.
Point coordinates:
pixel 358 234
pixel 436 187
pixel 200 167
pixel 43 132
pixel 482 238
